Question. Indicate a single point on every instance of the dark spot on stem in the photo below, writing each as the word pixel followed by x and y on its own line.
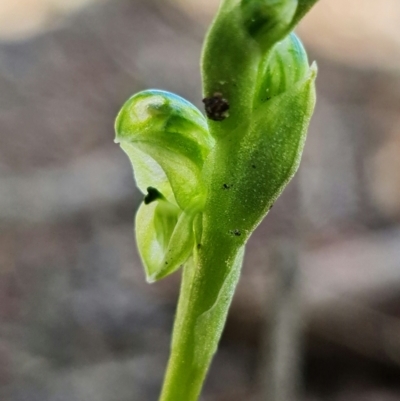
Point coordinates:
pixel 226 186
pixel 216 107
pixel 198 246
pixel 253 165
pixel 236 233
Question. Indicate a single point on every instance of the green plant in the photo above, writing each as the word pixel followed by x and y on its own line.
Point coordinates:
pixel 210 181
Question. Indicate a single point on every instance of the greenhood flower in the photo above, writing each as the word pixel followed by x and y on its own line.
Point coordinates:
pixel 167 141
pixel 208 180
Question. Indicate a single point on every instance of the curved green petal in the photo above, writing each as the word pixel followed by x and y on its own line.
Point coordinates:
pixel 173 133
pixel 147 172
pixel 179 248
pixel 282 67
pixel 152 243
pixel 165 237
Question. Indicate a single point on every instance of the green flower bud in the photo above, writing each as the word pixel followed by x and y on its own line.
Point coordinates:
pixel 284 66
pixel 256 156
pixel 268 21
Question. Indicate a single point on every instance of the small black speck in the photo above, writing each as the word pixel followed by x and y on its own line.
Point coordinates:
pixel 152 195
pixel 226 186
pixel 166 263
pixel 236 233
pixel 253 165
pixel 271 207
pixel 198 246
pixel 269 98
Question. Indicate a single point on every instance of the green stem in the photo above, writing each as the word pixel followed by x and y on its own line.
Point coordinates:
pixel 208 283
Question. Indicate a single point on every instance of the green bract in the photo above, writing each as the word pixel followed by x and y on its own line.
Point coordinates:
pixel 209 180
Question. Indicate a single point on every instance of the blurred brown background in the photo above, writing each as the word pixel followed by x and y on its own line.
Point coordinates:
pixel 77 320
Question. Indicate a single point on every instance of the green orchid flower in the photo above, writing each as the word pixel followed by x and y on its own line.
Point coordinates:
pixel 208 181
pixel 167 141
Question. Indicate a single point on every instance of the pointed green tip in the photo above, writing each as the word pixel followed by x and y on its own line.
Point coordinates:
pixel 314 69
pixel 151 279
